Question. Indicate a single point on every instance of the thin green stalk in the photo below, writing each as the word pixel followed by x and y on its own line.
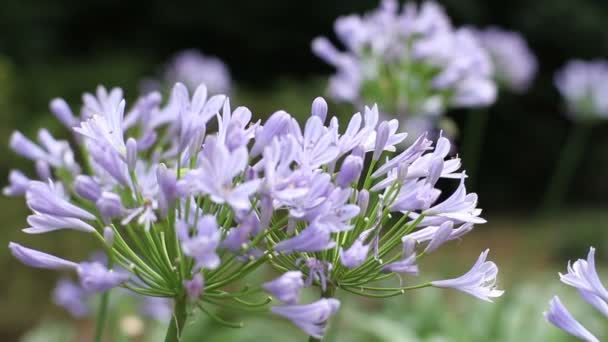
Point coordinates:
pixel 178 320
pixel 569 160
pixel 473 140
pixel 101 316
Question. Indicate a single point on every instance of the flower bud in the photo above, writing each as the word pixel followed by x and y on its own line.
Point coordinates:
pixel 350 171
pixel 63 112
pixel 381 139
pixel 109 205
pixel 319 108
pixel 363 201
pixel 131 153
pixel 43 170
pixel 108 236
pixel 87 188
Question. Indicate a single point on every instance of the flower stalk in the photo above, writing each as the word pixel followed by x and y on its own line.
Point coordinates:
pixel 568 161
pixel 178 320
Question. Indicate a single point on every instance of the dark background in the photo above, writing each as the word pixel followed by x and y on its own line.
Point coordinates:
pixel 63 48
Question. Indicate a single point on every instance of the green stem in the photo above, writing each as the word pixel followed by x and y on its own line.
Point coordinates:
pixel 101 316
pixel 473 140
pixel 329 292
pixel 569 160
pixel 178 320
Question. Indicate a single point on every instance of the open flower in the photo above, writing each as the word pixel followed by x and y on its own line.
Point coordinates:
pixel 479 281
pixel 312 318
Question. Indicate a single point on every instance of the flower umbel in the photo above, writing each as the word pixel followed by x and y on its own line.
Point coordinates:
pixel 188 198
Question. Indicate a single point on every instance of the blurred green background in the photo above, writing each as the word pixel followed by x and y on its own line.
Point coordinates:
pixel 64 47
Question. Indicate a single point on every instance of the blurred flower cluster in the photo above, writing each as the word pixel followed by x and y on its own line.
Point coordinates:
pixel 514 63
pixel 582 275
pixel 192 68
pixel 412 61
pixel 190 196
pixel 584 88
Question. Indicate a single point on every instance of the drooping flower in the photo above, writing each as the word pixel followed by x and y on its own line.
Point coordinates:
pixel 94 276
pixel 479 281
pixel 286 288
pixel 312 318
pixel 311 239
pixel 71 297
pixel 583 276
pixel 37 259
pixel 559 316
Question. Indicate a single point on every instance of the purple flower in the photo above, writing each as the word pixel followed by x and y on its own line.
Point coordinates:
pixel 71 297
pixel 286 288
pixel 37 259
pixel 18 184
pixel 276 126
pixel 442 235
pixel 459 207
pixel 317 270
pixel 63 112
pixel 105 128
pixel 167 189
pixel 559 316
pixel 194 287
pixel 109 166
pixel 407 264
pixel 318 144
pixel 101 102
pixel 157 308
pixel 239 236
pixel 109 206
pixel 193 68
pixel 429 233
pixel 408 39
pixel 583 86
pixel 415 195
pixel 202 245
pixel 87 188
pixel 319 108
pixel 356 254
pixel 311 239
pixel 583 276
pixel 479 281
pixel 94 276
pixel 336 211
pixel 515 65
pixel 48 199
pixel 57 153
pixel 350 171
pixel 43 223
pixel 311 318
pixel 218 168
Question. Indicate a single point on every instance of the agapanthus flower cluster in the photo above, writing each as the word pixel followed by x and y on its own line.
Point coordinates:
pixel 584 87
pixel 582 275
pixel 190 196
pixel 514 63
pixel 412 61
pixel 191 67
